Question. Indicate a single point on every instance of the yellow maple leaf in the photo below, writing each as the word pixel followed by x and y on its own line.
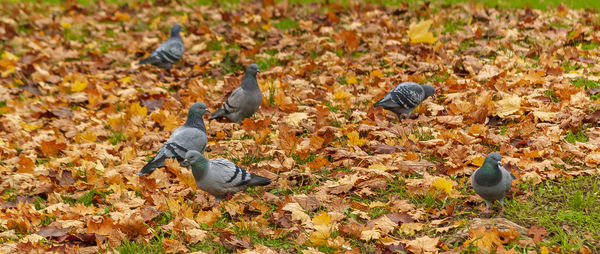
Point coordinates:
pixel 478 161
pixel 125 80
pixel 298 212
pixel 352 80
pixel 295 118
pixel 86 136
pixel 354 139
pixel 122 16
pixel 372 234
pixel 377 73
pixel 78 85
pixel 322 219
pixel 420 32
pixel 411 228
pixel 137 109
pixel 442 184
pixel 508 105
pixel 341 94
pixel 9 56
pixel 379 166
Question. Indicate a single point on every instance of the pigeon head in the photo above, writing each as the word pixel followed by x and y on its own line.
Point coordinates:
pixel 175 30
pixel 191 157
pixel 429 90
pixel 493 158
pixel 252 70
pixel 199 108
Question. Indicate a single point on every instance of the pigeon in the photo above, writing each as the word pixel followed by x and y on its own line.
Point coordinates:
pixel 167 53
pixel 244 101
pixel 491 181
pixel 221 177
pixel 190 136
pixel 405 97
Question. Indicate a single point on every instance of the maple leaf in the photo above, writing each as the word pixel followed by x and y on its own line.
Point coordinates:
pixel 537 233
pixel 354 139
pixel 423 244
pixel 419 33
pixel 443 184
pixel 487 240
pixel 508 106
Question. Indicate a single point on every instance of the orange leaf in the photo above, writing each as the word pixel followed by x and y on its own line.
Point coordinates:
pixel 537 233
pixel 51 147
pixel 26 164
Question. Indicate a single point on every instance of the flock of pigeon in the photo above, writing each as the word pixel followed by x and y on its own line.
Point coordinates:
pixel 221 177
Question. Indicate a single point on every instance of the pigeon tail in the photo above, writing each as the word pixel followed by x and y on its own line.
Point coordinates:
pixel 256 180
pixel 152 165
pixel 219 113
pixel 149 60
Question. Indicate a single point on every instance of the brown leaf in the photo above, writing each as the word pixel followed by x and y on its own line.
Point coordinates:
pixel 537 233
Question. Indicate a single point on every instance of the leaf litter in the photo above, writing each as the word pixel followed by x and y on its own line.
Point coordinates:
pixel 78 120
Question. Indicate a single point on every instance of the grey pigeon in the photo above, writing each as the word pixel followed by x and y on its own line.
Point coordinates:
pixel 405 97
pixel 190 136
pixel 244 101
pixel 491 181
pixel 221 177
pixel 167 53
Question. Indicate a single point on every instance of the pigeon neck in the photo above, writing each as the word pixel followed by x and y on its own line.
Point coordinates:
pixel 175 34
pixel 488 175
pixel 200 168
pixel 195 120
pixel 249 81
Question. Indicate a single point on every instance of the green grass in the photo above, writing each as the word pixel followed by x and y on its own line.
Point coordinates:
pixel 117 137
pixel 551 94
pixel 286 23
pixel 573 137
pixel 568 209
pixel 132 247
pixel 587 84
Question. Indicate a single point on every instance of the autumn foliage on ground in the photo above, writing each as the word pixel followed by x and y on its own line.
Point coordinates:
pixel 78 120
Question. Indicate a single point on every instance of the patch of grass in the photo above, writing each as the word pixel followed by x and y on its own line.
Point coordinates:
pixel 132 247
pixel 286 23
pixel 303 160
pixel 88 198
pixel 164 218
pixel 423 135
pixel 573 137
pixel 438 78
pixel 248 160
pixel 209 246
pixel 583 82
pixel 451 26
pixel 214 46
pixel 559 25
pixel 570 66
pixel 468 43
pixel 569 210
pixel 266 63
pixel 255 237
pixel 550 94
pixel 587 84
pixel 116 137
pixel 589 45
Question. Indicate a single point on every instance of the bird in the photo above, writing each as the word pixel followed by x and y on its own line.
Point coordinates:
pixel 190 136
pixel 405 97
pixel 221 177
pixel 167 53
pixel 244 101
pixel 491 181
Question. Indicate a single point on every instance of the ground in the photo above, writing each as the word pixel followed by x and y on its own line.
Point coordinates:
pixel 79 118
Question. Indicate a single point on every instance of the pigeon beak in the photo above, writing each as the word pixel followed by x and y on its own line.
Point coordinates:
pixel 208 111
pixel 185 163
